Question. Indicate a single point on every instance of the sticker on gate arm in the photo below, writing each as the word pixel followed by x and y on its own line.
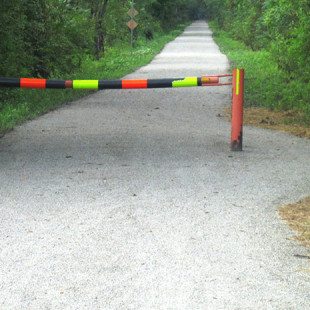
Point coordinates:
pixel 85 84
pixel 187 82
pixel 238 82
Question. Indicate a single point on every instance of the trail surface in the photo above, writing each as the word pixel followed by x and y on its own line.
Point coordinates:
pixel 132 200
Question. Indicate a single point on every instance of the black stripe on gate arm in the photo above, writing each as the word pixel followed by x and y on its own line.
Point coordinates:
pixel 9 82
pixel 160 83
pixel 55 84
pixel 116 84
pixel 199 81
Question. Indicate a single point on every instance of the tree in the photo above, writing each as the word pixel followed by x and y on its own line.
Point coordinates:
pixel 98 11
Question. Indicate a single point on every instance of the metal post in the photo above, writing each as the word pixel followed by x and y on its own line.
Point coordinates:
pixel 237 110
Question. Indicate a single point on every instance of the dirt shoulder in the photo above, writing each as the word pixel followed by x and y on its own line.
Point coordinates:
pixel 297 215
pixel 277 120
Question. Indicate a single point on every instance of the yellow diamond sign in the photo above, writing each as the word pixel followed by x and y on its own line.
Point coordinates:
pixel 132 24
pixel 132 12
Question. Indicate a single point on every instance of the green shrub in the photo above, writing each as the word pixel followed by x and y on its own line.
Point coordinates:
pixel 266 84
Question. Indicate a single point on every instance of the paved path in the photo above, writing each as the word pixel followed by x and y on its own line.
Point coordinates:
pixel 132 200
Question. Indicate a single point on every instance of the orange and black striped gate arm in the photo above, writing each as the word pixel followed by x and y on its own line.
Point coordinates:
pixel 214 80
pixel 109 84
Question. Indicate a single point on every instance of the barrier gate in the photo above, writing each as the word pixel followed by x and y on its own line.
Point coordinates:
pixel 212 80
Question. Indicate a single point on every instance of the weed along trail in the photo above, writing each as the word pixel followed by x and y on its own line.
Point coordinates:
pixel 131 199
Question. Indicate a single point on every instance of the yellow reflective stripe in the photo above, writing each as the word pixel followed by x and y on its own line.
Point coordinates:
pixel 85 84
pixel 237 82
pixel 187 82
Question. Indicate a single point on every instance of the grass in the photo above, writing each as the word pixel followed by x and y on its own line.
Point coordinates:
pixel 298 218
pixel 266 86
pixel 19 105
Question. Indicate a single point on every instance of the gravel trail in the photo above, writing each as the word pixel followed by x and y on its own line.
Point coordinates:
pixel 132 200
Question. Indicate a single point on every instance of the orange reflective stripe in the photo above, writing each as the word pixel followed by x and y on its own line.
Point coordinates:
pixel 32 83
pixel 126 84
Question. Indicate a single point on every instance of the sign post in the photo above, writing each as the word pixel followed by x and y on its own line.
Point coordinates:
pixel 132 24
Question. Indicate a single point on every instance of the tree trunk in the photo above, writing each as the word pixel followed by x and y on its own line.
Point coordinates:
pixel 98 14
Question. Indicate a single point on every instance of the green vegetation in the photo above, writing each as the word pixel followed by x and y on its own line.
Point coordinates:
pixel 47 38
pixel 270 39
pixel 85 39
pixel 89 39
pixel 266 85
pixel 23 104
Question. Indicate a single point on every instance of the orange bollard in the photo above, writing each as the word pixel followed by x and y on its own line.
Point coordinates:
pixel 237 110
